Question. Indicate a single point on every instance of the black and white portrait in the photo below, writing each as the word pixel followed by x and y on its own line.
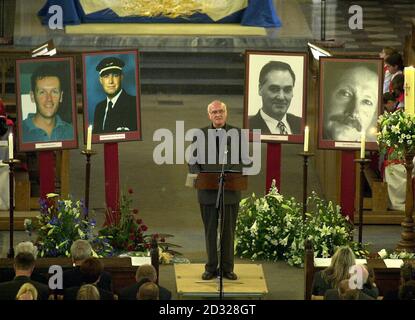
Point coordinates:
pixel 275 93
pixel 350 100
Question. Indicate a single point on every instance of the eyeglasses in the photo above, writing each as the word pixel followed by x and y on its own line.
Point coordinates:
pixel 217 112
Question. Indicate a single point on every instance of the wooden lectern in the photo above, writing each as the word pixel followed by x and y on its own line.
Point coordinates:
pixel 234 181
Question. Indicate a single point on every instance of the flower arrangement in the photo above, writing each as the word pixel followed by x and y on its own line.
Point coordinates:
pixel 126 232
pixel 272 228
pixel 60 223
pixel 383 254
pixel 397 131
pixel 125 229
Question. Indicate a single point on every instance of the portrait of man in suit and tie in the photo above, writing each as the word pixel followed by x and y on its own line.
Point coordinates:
pixel 275 94
pixel 111 93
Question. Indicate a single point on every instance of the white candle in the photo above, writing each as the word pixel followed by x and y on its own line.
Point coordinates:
pixel 306 138
pixel 89 138
pixel 11 156
pixel 409 88
pixel 362 145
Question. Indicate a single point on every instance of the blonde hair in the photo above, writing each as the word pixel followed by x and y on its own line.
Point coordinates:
pixel 146 271
pixel 340 265
pixel 148 291
pixel 88 292
pixel 27 292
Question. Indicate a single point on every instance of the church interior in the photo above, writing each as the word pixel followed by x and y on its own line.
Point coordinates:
pixel 181 70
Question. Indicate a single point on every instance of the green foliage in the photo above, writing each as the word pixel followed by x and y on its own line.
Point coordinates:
pixel 125 229
pixel 397 131
pixel 272 228
pixel 61 222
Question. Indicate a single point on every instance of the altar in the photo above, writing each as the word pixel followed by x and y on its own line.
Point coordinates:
pixel 244 12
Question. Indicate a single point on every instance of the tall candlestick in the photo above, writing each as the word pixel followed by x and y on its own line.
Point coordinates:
pixel 306 138
pixel 362 145
pixel 11 155
pixel 89 138
pixel 409 89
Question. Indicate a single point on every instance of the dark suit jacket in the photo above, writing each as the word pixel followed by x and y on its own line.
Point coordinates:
pixel 208 197
pixel 257 122
pixel 130 293
pixel 8 275
pixel 71 293
pixel 122 115
pixel 9 290
pixel 73 278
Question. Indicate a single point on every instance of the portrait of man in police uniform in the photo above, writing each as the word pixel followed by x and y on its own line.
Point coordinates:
pixel 111 91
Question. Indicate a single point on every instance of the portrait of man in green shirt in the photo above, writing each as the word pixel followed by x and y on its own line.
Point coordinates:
pixel 47 94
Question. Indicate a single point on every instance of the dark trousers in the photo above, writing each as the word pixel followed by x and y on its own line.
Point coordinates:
pixel 210 219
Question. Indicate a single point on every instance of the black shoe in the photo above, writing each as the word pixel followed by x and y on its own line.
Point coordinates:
pixel 230 275
pixel 208 275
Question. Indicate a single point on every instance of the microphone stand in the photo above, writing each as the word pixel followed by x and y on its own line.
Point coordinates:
pixel 220 207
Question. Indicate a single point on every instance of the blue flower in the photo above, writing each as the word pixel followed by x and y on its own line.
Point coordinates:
pixel 54 221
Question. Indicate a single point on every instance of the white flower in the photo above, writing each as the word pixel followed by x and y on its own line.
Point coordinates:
pixel 254 228
pixel 284 241
pixel 326 230
pixel 395 129
pixel 277 197
pixel 383 253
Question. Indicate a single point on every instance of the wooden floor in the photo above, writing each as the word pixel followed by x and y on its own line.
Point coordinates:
pixel 250 283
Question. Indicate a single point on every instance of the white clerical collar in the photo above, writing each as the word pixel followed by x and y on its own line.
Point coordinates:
pixel 114 100
pixel 272 123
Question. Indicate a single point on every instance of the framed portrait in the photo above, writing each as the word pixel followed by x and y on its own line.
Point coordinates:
pixel 275 95
pixel 350 102
pixel 111 96
pixel 46 104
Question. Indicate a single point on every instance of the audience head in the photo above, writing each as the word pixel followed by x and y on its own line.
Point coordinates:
pixel 397 84
pixel 394 63
pixel 361 271
pixel 341 262
pixel 407 291
pixel 91 270
pixel 386 52
pixel 346 293
pixel 27 292
pixel 80 250
pixel 148 291
pixel 389 102
pixel 26 246
pixel 146 271
pixel 24 263
pixel 88 292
